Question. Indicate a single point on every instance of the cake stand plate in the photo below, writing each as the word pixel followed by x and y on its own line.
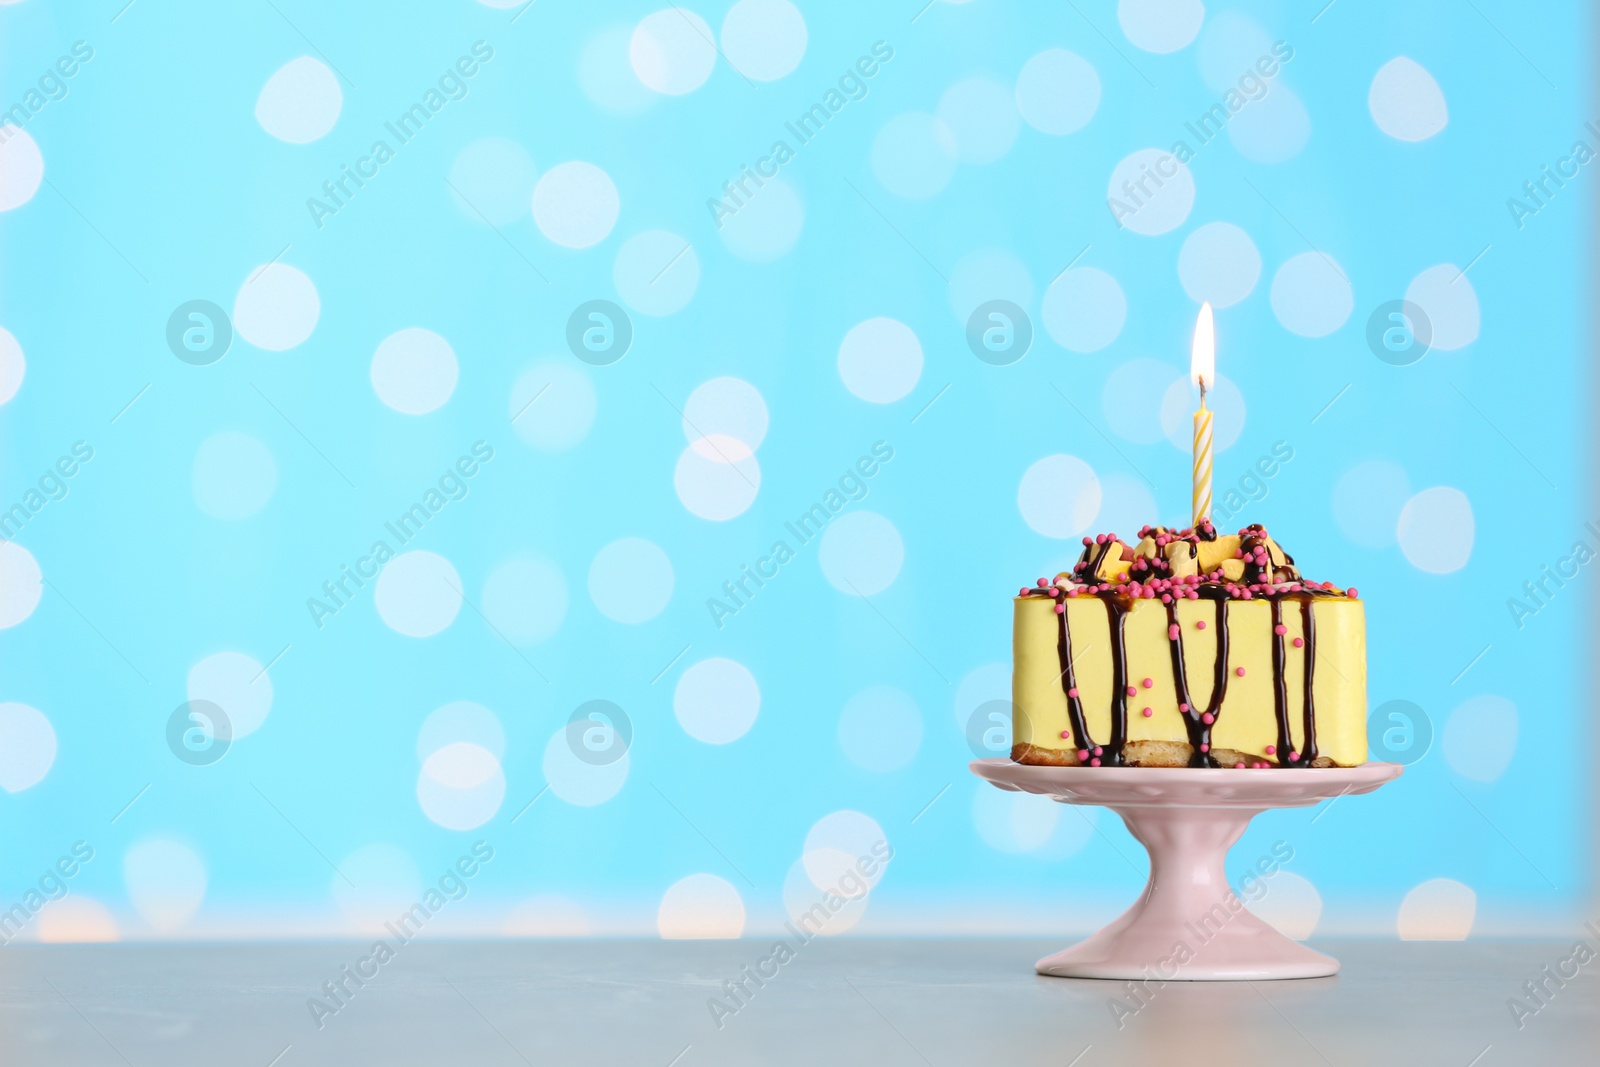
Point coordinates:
pixel 1188 925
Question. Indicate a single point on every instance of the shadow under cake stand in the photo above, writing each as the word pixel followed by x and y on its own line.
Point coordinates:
pixel 1187 819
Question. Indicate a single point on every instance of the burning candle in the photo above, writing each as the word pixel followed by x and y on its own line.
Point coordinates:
pixel 1202 369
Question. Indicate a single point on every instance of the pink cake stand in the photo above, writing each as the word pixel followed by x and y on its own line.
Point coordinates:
pixel 1187 819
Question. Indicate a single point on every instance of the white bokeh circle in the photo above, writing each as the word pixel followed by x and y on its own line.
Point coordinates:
pixel 991 681
pixel 166 882
pixel 1160 26
pixel 1218 262
pixel 414 371
pixel 731 407
pixel 1446 296
pixel 700 906
pixel 630 580
pixel 717 477
pixel 1436 530
pixel 981 114
pixel 27 746
pixel 716 701
pixel 22 581
pixel 914 155
pixel 276 308
pixel 1127 503
pixel 837 843
pixel 1480 737
pixel 1227 411
pixel 767 226
pixel 880 729
pixel 1013 822
pixel 236 683
pixel 1311 295
pixel 1231 43
pixel 234 476
pixel 21 167
pixel 1291 904
pixel 525 599
pixel 77 920
pixel 461 720
pixel 1367 500
pixel 492 180
pixel 13 365
pixel 461 786
pixel 1084 309
pixel 808 907
pixel 861 553
pixel 418 593
pixel 1150 192
pixel 1440 909
pixel 656 272
pixel 1059 496
pixel 764 39
pixel 605 74
pixel 578 782
pixel 1057 92
pixel 575 204
pixel 880 360
pixel 552 406
pixel 1406 102
pixel 673 51
pixel 300 102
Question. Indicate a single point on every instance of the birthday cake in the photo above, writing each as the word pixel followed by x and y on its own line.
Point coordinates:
pixel 1188 649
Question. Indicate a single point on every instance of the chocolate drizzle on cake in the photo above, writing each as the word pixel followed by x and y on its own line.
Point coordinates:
pixel 1167 565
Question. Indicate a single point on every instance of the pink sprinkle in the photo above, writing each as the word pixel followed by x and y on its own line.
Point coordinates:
pixel 1148 683
pixel 1132 691
pixel 1201 625
pixel 1023 591
pixel 1183 707
pixel 1208 718
pixel 1088 540
pixel 1094 763
pixel 1298 642
pixel 1172 631
pixel 1238 766
pixel 1097 751
pixel 1067 734
pixel 1083 754
pixel 1294 757
pixel 1073 693
pixel 1272 750
pixel 1061 609
pixel 1054 591
pixel 1042 583
pixel 1205 748
pixel 1239 671
pixel 1072 593
pixel 1099 539
pixel 1166 598
pixel 1147 713
pixel 1351 592
pixel 1280 629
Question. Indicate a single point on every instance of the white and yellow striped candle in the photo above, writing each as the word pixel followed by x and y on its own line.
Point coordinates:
pixel 1202 369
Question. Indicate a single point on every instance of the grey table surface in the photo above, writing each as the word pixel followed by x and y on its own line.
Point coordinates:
pixel 848 1001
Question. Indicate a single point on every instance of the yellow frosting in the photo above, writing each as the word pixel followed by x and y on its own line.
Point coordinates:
pixel 1247 720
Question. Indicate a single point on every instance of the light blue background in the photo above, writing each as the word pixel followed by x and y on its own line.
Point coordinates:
pixel 162 187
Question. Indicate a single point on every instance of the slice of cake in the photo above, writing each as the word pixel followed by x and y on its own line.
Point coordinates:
pixel 1189 649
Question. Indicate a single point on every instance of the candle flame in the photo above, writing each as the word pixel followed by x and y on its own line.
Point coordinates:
pixel 1203 356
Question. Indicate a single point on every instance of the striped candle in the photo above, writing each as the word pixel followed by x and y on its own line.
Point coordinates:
pixel 1202 463
pixel 1202 368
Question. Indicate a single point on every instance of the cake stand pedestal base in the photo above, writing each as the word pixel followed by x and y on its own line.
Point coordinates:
pixel 1187 925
